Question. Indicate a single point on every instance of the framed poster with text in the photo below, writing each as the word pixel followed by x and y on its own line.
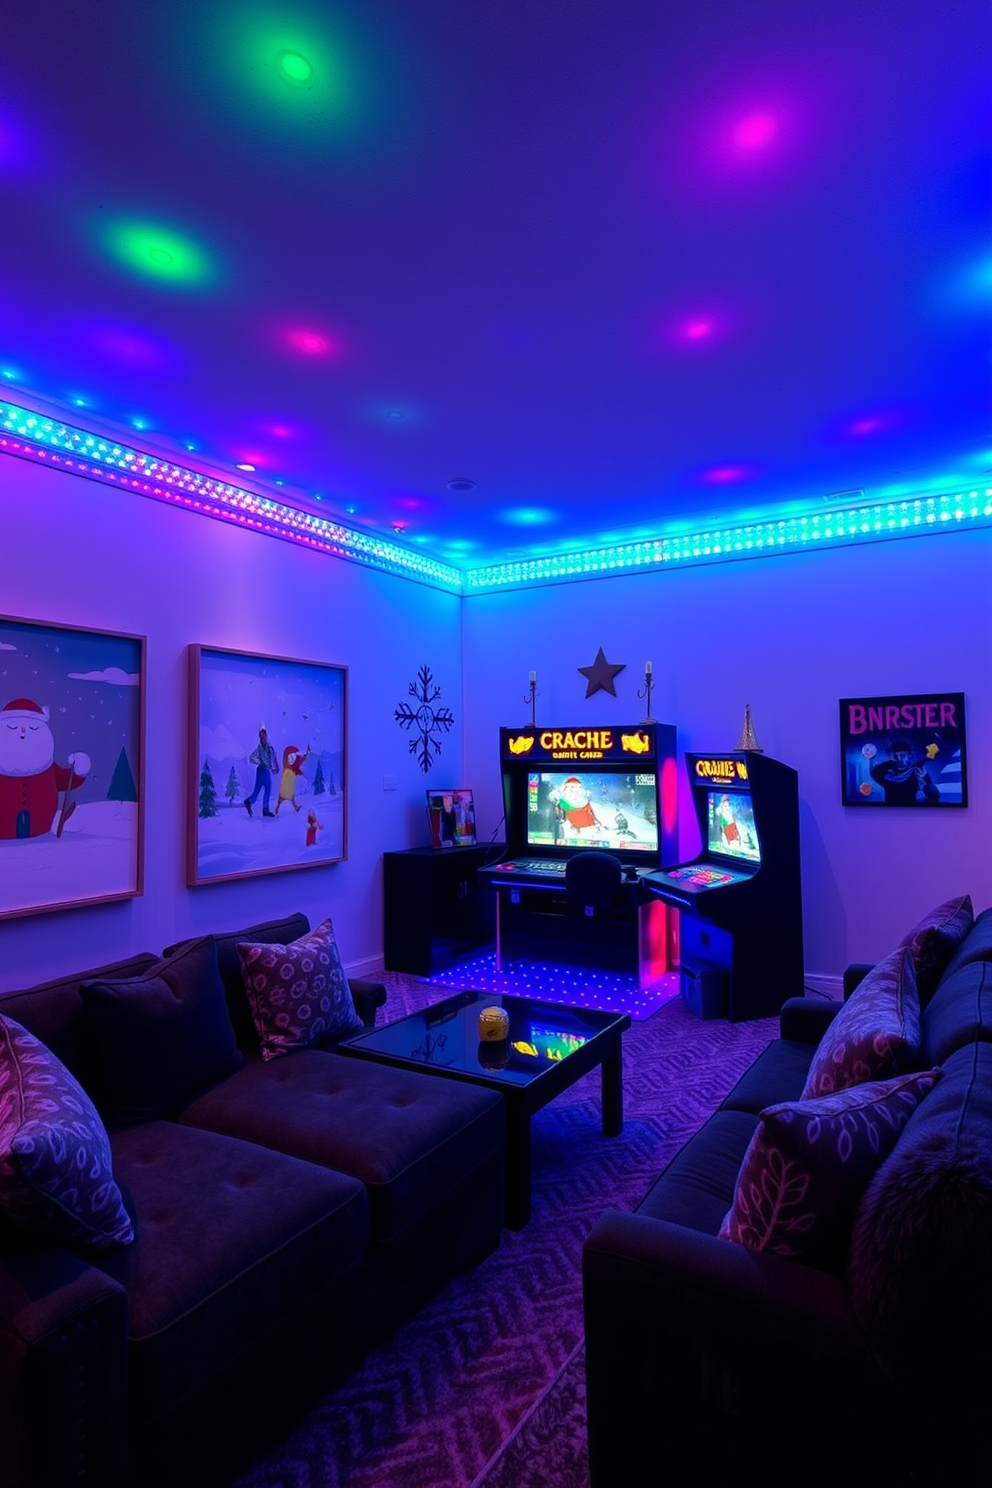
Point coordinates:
pixel 906 750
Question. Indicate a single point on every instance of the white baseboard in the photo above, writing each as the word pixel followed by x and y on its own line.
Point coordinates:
pixel 368 966
pixel 825 986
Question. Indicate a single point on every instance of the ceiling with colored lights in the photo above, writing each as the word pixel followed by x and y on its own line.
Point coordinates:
pixel 502 278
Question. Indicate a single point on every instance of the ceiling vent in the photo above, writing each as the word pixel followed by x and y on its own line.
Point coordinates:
pixel 461 483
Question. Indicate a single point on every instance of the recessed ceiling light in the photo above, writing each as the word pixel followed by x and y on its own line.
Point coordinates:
pixel 244 465
pixel 461 483
pixel 295 68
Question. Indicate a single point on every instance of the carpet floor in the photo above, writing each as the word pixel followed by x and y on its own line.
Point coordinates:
pixel 484 1388
pixel 568 986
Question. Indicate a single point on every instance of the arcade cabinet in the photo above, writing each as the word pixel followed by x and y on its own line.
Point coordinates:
pixel 574 791
pixel 740 899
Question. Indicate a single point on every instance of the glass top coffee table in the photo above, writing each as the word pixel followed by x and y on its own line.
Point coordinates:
pixel 547 1049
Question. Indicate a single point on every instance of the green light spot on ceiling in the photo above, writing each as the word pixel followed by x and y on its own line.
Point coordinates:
pixel 292 69
pixel 158 253
pixel 295 68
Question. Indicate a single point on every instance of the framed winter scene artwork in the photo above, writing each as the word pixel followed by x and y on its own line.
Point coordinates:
pixel 71 766
pixel 267 764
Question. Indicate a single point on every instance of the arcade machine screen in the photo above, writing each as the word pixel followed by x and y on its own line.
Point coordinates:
pixel 730 831
pixel 574 809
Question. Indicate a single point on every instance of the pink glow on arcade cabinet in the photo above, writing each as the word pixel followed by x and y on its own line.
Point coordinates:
pixel 569 792
pixel 739 901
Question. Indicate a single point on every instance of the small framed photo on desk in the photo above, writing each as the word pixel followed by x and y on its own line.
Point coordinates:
pixel 451 814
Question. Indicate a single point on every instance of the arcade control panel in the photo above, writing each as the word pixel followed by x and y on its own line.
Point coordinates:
pixel 549 871
pixel 696 878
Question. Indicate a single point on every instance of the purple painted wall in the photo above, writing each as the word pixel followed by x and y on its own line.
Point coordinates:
pixel 80 554
pixel 788 635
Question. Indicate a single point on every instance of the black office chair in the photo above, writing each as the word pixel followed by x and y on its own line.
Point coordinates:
pixel 592 883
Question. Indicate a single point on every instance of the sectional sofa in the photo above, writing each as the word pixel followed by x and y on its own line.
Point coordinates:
pixel 207 1216
pixel 805 1294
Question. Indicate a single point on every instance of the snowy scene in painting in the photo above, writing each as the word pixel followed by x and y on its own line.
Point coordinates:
pixel 268 784
pixel 70 749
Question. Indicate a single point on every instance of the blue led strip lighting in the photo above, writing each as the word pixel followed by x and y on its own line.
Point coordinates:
pixel 62 447
pixel 912 517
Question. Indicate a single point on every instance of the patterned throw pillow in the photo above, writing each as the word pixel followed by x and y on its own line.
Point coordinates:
pixel 934 940
pixel 876 1033
pixel 56 1178
pixel 809 1161
pixel 298 993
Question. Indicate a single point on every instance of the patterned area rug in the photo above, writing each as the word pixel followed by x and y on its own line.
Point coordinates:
pixel 485 1387
pixel 548 1448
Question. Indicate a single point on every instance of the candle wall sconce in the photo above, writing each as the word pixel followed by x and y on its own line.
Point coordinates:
pixel 531 697
pixel 645 692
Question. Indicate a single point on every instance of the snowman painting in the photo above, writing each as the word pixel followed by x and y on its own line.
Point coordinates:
pixel 30 780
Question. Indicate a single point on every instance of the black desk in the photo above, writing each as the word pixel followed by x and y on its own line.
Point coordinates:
pixel 435 909
pixel 533 922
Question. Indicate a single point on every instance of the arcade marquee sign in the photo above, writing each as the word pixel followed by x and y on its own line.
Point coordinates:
pixel 634 741
pixel 711 770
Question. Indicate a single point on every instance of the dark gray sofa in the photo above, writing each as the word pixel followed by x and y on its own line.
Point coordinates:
pixel 740 1364
pixel 287 1216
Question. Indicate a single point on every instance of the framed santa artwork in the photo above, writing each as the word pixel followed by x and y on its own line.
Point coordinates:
pixel 72 731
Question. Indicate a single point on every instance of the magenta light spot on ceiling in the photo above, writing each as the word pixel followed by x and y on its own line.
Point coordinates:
pixel 697 330
pixel 129 347
pixel 865 425
pixel 311 343
pixel 725 475
pixel 286 430
pixel 754 132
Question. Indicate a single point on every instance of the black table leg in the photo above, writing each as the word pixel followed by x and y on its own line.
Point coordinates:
pixel 517 1164
pixel 613 1091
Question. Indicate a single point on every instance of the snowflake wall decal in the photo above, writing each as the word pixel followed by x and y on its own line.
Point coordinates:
pixel 428 721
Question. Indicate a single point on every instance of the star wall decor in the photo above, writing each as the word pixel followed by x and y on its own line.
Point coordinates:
pixel 599 676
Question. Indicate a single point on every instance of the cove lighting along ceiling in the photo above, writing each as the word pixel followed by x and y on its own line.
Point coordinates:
pixel 60 446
